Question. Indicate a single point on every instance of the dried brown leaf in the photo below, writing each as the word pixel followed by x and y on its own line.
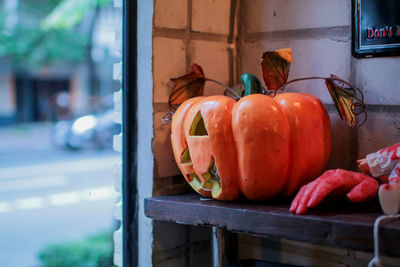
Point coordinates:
pixel 275 66
pixel 346 101
pixel 187 86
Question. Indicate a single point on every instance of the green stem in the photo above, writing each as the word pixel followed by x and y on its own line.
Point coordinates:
pixel 252 85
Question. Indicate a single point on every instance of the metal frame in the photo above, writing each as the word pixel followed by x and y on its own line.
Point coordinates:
pixel 130 135
pixel 356 49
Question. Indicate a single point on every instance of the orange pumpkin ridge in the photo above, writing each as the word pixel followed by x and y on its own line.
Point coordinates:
pixel 327 128
pixel 262 136
pixel 307 139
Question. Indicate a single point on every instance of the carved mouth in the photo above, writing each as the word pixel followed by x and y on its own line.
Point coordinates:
pixel 185 158
pixel 210 179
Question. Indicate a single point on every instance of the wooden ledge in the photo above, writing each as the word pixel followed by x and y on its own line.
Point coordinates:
pixel 349 227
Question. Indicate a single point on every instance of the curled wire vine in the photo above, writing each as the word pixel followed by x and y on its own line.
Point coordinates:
pixel 167 117
pixel 357 107
pixel 348 100
pixel 206 189
pixel 341 91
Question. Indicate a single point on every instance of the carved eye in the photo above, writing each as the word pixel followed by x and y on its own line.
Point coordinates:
pixel 210 179
pixel 198 128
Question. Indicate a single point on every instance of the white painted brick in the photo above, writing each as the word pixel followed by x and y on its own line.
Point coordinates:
pixel 118 34
pixel 117 21
pixel 211 16
pixel 310 58
pixel 118 211
pixel 117 97
pixel 379 79
pixel 170 13
pixel 117 143
pixel 117 71
pixel 118 177
pixel 164 158
pixel 117 47
pixel 118 3
pixel 213 58
pixel 382 129
pixel 274 15
pixel 117 117
pixel 169 62
pixel 118 247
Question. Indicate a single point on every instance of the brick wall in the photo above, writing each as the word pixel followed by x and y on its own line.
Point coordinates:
pixel 227 38
pixel 319 32
pixel 182 35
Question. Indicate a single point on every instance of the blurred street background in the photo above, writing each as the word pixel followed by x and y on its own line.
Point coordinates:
pixel 56 125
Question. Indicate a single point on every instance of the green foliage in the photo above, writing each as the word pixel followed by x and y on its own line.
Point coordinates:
pixel 69 13
pixel 34 47
pixel 47 32
pixel 94 251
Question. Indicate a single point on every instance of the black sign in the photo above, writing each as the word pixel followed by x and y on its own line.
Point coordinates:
pixel 376 28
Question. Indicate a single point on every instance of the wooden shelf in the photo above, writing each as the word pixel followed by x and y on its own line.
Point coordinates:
pixel 349 226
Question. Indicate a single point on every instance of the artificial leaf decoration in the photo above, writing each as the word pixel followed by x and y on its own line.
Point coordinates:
pixel 347 103
pixel 187 86
pixel 275 66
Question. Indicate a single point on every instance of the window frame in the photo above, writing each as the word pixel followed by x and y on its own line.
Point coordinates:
pixel 130 135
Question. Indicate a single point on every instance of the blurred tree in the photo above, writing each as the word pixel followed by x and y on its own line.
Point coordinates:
pixel 93 251
pixel 48 31
pixel 70 13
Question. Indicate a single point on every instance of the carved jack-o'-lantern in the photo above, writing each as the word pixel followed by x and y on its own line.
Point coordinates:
pixel 203 146
pixel 211 146
pixel 260 146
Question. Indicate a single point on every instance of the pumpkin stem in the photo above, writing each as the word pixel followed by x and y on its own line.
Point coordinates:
pixel 252 84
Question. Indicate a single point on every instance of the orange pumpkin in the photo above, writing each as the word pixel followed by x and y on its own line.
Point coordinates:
pixel 180 146
pixel 210 142
pixel 259 146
